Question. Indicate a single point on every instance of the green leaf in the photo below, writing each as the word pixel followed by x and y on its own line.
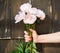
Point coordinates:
pixel 34 45
pixel 20 47
pixel 28 44
pixel 27 50
pixel 27 27
pixel 34 51
pixel 37 21
pixel 14 51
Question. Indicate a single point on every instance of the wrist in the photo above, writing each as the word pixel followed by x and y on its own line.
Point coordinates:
pixel 36 40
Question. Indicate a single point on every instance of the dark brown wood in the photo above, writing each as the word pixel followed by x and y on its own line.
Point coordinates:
pixel 8 10
pixel 54 48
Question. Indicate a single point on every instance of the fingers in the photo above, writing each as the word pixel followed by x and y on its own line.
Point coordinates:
pixel 32 30
pixel 27 37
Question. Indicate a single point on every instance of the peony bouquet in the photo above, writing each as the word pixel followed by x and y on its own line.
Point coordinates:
pixel 29 15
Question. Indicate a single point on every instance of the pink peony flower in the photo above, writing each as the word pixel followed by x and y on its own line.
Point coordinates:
pixel 29 14
pixel 33 11
pixel 25 7
pixel 19 17
pixel 29 19
pixel 40 14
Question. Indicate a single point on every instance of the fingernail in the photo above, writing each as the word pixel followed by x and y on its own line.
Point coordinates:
pixel 30 38
pixel 25 32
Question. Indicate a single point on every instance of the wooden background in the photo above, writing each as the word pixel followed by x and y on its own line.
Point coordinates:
pixel 8 10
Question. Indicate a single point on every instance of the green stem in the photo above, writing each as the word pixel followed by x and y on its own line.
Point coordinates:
pixel 31 48
pixel 30 33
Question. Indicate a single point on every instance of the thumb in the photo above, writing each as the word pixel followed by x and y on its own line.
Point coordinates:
pixel 33 32
pixel 25 32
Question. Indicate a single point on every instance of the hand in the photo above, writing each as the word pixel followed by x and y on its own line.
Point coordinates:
pixel 29 38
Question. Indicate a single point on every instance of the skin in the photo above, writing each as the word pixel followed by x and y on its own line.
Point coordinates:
pixel 45 38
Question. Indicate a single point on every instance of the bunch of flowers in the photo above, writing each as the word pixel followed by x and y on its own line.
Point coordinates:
pixel 29 15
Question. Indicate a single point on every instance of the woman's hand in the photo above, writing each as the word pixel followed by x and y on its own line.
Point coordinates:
pixel 29 38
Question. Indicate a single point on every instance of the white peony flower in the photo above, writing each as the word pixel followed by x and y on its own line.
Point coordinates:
pixel 19 17
pixel 25 7
pixel 40 14
pixel 29 19
pixel 33 11
pixel 29 14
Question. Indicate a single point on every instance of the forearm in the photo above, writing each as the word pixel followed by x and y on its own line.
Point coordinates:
pixel 49 38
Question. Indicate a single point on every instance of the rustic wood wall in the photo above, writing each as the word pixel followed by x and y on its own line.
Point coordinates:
pixel 54 48
pixel 8 10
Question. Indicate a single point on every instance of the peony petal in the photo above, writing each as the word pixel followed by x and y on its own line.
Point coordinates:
pixel 25 7
pixel 31 14
pixel 40 14
pixel 19 17
pixel 33 11
pixel 30 19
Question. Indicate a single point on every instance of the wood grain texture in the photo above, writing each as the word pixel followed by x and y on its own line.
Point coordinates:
pixel 8 10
